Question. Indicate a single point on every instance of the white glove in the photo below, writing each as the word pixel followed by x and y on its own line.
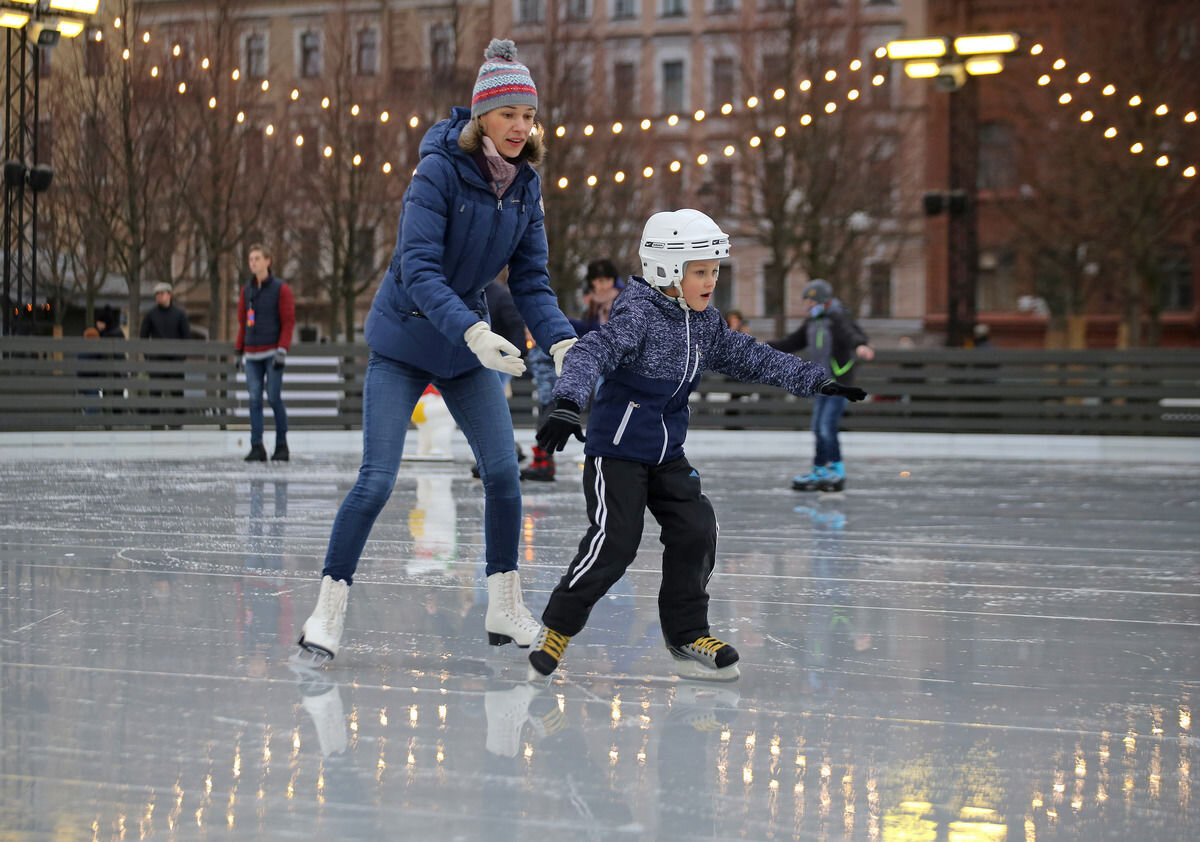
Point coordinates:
pixel 493 350
pixel 559 350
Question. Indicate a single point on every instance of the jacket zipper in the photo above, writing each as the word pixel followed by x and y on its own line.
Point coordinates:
pixel 687 361
pixel 625 421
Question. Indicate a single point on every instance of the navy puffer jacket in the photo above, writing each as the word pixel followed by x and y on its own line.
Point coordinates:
pixel 455 236
pixel 651 353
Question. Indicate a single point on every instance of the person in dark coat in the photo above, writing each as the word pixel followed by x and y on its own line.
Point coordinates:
pixel 165 320
pixel 473 207
pixel 832 339
pixel 266 322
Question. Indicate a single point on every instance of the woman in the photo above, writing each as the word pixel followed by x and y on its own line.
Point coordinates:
pixel 474 206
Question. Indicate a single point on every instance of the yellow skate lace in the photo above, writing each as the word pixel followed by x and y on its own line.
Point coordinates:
pixel 554 644
pixel 707 645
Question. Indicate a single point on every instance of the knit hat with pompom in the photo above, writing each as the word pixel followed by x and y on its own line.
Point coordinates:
pixel 502 80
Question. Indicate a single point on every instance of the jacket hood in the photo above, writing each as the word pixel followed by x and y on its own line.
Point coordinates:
pixel 638 290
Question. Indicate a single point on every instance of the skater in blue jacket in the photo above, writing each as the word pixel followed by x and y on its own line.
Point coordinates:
pixel 474 207
pixel 661 336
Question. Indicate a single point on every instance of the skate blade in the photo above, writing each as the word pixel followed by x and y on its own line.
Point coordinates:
pixel 697 672
pixel 312 657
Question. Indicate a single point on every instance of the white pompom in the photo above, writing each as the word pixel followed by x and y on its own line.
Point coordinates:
pixel 505 49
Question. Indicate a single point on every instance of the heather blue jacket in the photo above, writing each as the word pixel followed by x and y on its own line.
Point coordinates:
pixel 651 353
pixel 455 236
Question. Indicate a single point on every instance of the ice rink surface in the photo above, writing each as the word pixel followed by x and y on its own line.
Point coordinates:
pixel 952 650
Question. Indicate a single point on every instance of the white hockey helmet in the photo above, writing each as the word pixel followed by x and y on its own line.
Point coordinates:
pixel 672 239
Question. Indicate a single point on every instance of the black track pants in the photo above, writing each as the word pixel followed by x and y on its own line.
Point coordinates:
pixel 618 494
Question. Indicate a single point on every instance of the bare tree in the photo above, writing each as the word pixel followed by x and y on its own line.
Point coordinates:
pixel 345 176
pixel 225 172
pixel 594 189
pixel 1098 221
pixel 820 186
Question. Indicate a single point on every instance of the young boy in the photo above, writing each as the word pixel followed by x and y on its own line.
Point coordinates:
pixel 660 337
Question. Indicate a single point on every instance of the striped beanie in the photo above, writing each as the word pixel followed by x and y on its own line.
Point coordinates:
pixel 502 80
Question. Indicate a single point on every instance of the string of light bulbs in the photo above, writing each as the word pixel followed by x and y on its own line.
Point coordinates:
pixel 1111 132
pixel 644 123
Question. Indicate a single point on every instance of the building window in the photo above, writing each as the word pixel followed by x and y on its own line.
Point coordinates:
pixel 93 54
pixel 722 81
pixel 722 297
pixel 308 249
pixel 625 86
pixel 996 284
pixel 578 10
pixel 1176 286
pixel 253 156
pixel 441 48
pixel 721 199
pixel 256 56
pixel 673 9
pixel 724 7
pixel 366 52
pixel 529 11
pixel 775 71
pixel 997 157
pixel 364 253
pixel 310 54
pixel 624 9
pixel 672 87
pixel 879 290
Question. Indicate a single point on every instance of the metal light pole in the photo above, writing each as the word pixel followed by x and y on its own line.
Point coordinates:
pixel 951 62
pixel 29 25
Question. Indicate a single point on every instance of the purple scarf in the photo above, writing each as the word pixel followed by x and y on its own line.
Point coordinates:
pixel 503 171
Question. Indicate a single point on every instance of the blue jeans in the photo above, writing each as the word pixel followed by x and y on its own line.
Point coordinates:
pixel 256 372
pixel 541 366
pixel 476 400
pixel 827 412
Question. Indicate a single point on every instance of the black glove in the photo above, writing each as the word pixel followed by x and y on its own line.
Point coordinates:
pixel 832 388
pixel 558 426
pixel 239 363
pixel 280 357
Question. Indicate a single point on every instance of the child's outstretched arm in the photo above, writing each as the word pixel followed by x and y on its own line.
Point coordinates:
pixel 744 358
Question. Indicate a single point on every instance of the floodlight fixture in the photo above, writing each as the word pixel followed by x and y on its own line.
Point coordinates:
pixel 917 48
pixel 998 42
pixel 83 7
pixel 13 20
pixel 983 65
pixel 70 28
pixel 921 69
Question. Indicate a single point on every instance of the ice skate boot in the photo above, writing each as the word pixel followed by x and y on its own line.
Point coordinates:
pixel 257 453
pixel 507 619
pixel 507 712
pixel 706 659
pixel 542 469
pixel 546 653
pixel 834 479
pixel 321 634
pixel 810 481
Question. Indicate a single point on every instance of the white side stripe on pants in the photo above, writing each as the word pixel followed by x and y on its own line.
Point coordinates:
pixel 585 563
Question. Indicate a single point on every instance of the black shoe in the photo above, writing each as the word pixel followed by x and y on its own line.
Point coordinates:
pixel 539 473
pixel 257 453
pixel 281 453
